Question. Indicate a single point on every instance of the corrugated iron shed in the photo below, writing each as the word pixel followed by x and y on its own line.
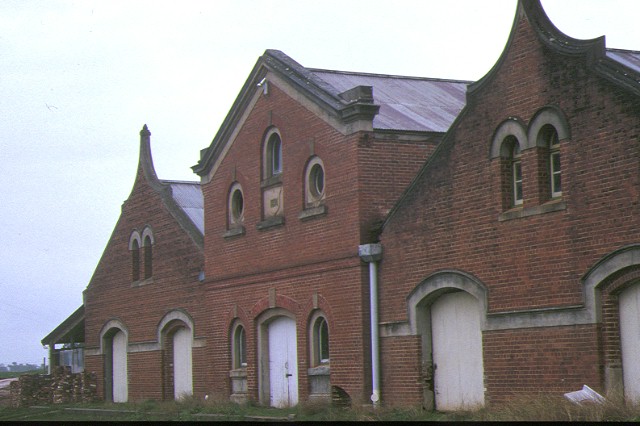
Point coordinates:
pixel 406 103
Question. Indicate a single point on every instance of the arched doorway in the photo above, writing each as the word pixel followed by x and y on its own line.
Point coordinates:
pixel 278 358
pixel 176 334
pixel 457 352
pixel 115 365
pixel 283 362
pixel 448 311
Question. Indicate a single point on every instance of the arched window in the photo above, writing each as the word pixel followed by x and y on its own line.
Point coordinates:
pixel 148 258
pixel 274 155
pixel 511 147
pixel 239 347
pixel 271 184
pixel 135 261
pixel 148 242
pixel 319 340
pixel 550 136
pixel 134 248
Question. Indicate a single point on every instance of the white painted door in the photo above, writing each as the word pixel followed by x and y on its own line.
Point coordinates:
pixel 182 371
pixel 457 352
pixel 119 367
pixel 283 362
pixel 630 341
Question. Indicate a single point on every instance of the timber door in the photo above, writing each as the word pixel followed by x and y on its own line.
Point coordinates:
pixel 283 362
pixel 119 367
pixel 630 341
pixel 182 372
pixel 457 352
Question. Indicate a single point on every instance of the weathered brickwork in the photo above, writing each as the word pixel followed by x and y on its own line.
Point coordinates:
pixel 546 273
pixel 458 217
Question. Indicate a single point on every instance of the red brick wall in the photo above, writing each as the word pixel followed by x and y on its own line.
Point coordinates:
pixel 450 219
pixel 550 360
pixel 177 261
pixel 401 376
pixel 364 175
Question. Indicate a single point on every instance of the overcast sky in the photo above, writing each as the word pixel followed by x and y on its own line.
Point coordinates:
pixel 79 79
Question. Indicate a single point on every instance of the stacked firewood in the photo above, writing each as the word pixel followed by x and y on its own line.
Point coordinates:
pixel 62 387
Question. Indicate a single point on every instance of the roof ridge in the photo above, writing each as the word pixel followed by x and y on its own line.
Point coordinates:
pixel 615 49
pixel 406 77
pixel 190 182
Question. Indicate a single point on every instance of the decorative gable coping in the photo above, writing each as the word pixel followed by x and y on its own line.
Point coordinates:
pixel 594 50
pixel 347 112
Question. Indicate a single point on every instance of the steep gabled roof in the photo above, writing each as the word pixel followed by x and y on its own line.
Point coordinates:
pixel 183 200
pixel 621 67
pixel 387 102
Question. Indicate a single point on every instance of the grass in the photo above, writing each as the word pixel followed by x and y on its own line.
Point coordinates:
pixel 532 408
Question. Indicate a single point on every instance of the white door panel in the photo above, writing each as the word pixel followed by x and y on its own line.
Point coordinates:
pixel 283 362
pixel 630 341
pixel 182 370
pixel 457 352
pixel 119 367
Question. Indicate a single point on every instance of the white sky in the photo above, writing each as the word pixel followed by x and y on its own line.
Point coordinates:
pixel 78 79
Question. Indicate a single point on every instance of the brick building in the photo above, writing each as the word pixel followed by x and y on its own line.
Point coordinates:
pixel 510 260
pixel 488 231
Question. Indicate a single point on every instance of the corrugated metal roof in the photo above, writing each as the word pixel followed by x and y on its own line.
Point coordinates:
pixel 406 103
pixel 188 196
pixel 628 58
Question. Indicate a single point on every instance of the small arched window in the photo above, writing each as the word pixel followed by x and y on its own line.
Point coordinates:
pixel 134 248
pixel 550 136
pixel 512 147
pixel 147 243
pixel 239 347
pixel 274 155
pixel 319 340
pixel 135 261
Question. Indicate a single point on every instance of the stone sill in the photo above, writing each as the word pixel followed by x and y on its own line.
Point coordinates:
pixel 321 370
pixel 140 283
pixel 312 212
pixel 238 373
pixel 520 212
pixel 270 223
pixel 273 180
pixel 234 232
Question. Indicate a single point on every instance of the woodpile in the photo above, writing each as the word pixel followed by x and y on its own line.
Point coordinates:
pixel 62 387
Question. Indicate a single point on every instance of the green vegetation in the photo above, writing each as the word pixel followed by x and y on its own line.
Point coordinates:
pixel 548 408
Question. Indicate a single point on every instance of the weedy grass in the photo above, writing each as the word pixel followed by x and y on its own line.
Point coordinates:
pixel 544 407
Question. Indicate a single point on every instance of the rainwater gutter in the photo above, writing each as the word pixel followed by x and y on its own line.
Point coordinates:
pixel 372 254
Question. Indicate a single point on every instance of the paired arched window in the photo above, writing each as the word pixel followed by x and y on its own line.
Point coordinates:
pixel 531 154
pixel 137 242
